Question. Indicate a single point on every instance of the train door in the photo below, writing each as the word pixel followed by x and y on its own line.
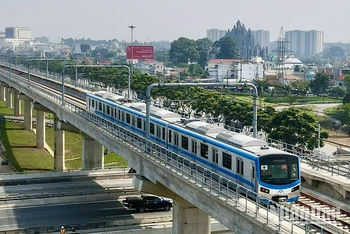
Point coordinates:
pixel 253 175
pixel 239 171
pixel 215 159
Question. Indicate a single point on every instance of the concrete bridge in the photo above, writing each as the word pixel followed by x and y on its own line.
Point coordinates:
pixel 195 199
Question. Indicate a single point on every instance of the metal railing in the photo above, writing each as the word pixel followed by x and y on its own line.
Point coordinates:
pixel 236 196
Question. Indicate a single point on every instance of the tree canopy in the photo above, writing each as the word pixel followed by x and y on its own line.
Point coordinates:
pixel 295 127
pixel 182 50
pixel 226 48
pixel 320 84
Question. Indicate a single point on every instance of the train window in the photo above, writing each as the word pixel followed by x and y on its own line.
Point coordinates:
pixel 169 136
pixel 159 133
pixel 204 150
pixel 238 164
pixel 115 112
pixel 112 112
pixel 215 155
pixel 100 106
pixel 139 123
pixel 226 160
pixel 133 120
pixel 151 128
pixel 108 110
pixel 93 103
pixel 104 108
pixel 253 172
pixel 176 139
pixel 184 142
pixel 194 146
pixel 242 171
pixel 144 125
pixel 119 114
pixel 128 118
pixel 163 130
pixel 123 116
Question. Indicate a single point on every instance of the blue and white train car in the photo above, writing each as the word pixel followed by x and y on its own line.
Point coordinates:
pixel 273 173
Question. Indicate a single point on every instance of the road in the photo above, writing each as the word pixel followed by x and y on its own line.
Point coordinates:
pixel 55 188
pixel 59 212
pixel 70 214
pixel 319 107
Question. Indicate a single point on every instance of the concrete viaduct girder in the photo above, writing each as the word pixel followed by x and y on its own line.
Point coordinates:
pixel 229 216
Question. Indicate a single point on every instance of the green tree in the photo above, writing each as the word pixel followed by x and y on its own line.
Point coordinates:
pixel 296 128
pixel 226 48
pixel 297 68
pixel 338 91
pixel 335 52
pixel 195 69
pixel 299 86
pixel 320 84
pixel 203 46
pixel 347 81
pixel 346 98
pixel 183 49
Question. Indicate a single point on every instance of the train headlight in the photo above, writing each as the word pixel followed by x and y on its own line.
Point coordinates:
pixel 264 190
pixel 295 188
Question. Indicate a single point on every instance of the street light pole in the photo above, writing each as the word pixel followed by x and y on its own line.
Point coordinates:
pixel 318 129
pixel 132 48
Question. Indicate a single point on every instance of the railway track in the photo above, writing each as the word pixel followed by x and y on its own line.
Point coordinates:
pixel 19 74
pixel 318 212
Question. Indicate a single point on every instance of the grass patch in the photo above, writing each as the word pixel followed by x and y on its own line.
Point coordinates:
pixel 113 159
pixel 21 150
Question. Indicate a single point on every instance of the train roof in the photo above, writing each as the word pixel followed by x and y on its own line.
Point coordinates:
pixel 247 143
pixel 156 112
pixel 265 150
pixel 109 96
pixel 204 128
pixel 239 140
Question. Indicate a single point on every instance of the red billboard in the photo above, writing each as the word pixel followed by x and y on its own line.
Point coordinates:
pixel 139 52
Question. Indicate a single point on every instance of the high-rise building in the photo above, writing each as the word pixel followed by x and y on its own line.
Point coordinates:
pixel 304 43
pixel 215 34
pixel 262 37
pixel 17 35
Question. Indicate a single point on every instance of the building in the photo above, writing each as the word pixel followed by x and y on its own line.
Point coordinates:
pixel 261 37
pixel 215 34
pixel 41 40
pixel 233 70
pixel 304 43
pixel 17 35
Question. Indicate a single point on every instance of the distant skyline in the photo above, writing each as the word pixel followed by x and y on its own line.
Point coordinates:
pixel 168 20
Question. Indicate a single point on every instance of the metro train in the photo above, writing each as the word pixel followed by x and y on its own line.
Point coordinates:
pixel 270 172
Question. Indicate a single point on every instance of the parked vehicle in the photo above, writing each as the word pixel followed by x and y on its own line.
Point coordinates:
pixel 148 202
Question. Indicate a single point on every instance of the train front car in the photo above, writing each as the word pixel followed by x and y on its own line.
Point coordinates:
pixel 279 177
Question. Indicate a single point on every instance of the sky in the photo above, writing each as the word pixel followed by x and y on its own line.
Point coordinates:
pixel 157 20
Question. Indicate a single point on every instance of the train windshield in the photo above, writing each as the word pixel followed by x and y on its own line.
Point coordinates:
pixel 279 169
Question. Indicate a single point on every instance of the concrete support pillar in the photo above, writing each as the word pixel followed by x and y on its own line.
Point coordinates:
pixel 93 156
pixel 9 98
pixel 189 219
pixel 28 115
pixel 3 93
pixel 40 129
pixel 59 147
pixel 17 104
